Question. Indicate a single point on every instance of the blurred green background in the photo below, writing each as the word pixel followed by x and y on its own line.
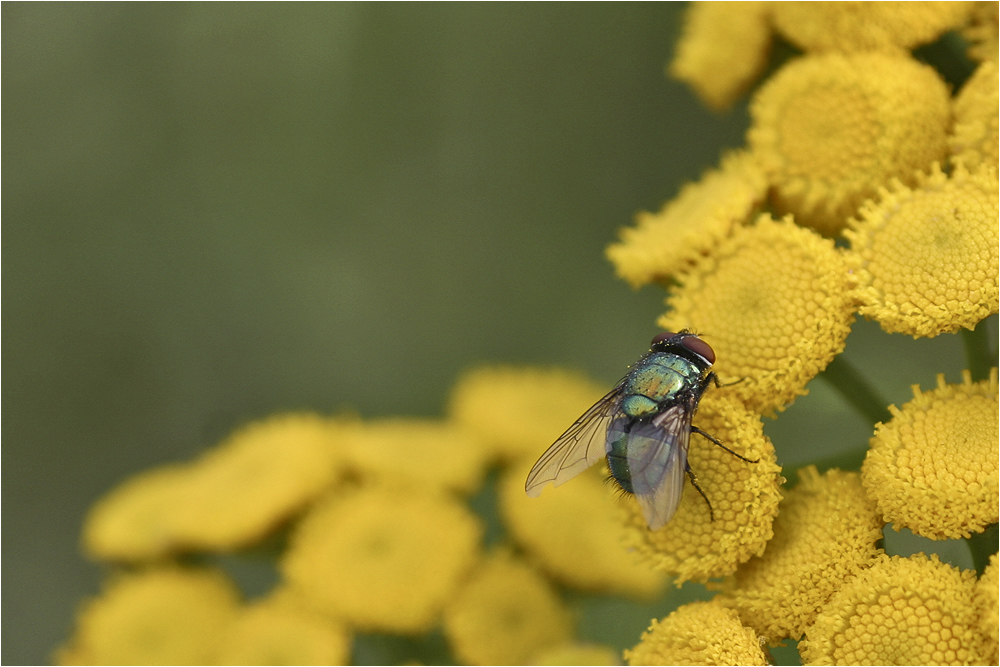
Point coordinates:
pixel 213 212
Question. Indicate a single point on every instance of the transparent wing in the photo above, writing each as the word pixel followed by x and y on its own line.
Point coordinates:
pixel 581 446
pixel 657 461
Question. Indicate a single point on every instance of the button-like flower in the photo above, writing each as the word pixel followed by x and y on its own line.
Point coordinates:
pixel 926 258
pixel 744 498
pixel 504 614
pixel 575 533
pixel 829 129
pixel 987 607
pixel 866 26
pixel 700 633
pixel 933 467
pixel 900 611
pixel 982 31
pixel 166 616
pixel 974 138
pixel 383 558
pixel 690 225
pixel 514 409
pixel 722 50
pixel 825 533
pixel 774 303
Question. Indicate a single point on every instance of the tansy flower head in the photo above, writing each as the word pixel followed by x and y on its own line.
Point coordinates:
pixel 504 614
pixel 926 258
pixel 828 129
pixel 826 532
pixel 691 224
pixel 773 301
pixel 575 533
pixel 382 558
pixel 722 50
pixel 700 633
pixel 744 498
pixel 933 467
pixel 974 138
pixel 422 451
pixel 276 631
pixel 982 31
pixel 577 654
pixel 866 26
pixel 900 611
pixel 987 608
pixel 168 616
pixel 515 410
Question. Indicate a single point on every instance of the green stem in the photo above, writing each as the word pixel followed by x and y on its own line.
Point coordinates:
pixel 980 354
pixel 856 390
pixel 983 545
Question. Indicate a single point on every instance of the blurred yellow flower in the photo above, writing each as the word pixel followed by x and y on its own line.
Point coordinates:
pixel 933 467
pixel 577 654
pixel 825 533
pixel 987 608
pixel 774 303
pixel 900 611
pixel 866 26
pixel 829 129
pixel 166 616
pixel 974 138
pixel 575 532
pixel 276 631
pixel 690 225
pixel 723 48
pixel 700 633
pixel 230 497
pixel 423 451
pixel 518 411
pixel 383 558
pixel 744 499
pixel 982 31
pixel 926 258
pixel 504 614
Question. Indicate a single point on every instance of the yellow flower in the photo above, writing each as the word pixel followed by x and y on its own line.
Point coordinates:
pixel 504 614
pixel 168 616
pixel 722 50
pixel 974 139
pixel 691 224
pixel 744 499
pixel 519 411
pixel 900 611
pixel 933 467
pixel 577 654
pixel 926 258
pixel 774 303
pixel 829 129
pixel 276 631
pixel 382 558
pixel 700 633
pixel 982 31
pixel 230 497
pixel 423 451
pixel 866 26
pixel 575 533
pixel 987 607
pixel 825 533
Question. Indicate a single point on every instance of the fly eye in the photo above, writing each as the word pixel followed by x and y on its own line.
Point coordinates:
pixel 699 347
pixel 659 338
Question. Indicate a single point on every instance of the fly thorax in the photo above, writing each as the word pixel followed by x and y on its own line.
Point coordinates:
pixel 659 378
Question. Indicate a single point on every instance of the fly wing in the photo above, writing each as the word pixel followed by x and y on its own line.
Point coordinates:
pixel 657 461
pixel 581 446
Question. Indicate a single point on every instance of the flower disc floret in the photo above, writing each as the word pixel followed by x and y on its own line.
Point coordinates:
pixel 987 608
pixel 933 467
pixel 774 303
pixel 829 129
pixel 900 611
pixel 926 258
pixel 690 225
pixel 744 499
pixel 700 633
pixel 826 532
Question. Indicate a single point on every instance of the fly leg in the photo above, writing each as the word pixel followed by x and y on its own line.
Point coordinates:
pixel 695 429
pixel 694 481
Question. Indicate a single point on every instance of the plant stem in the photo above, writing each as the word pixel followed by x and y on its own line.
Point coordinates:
pixel 856 390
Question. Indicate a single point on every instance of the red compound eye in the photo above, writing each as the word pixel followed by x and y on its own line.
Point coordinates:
pixel 699 347
pixel 659 338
